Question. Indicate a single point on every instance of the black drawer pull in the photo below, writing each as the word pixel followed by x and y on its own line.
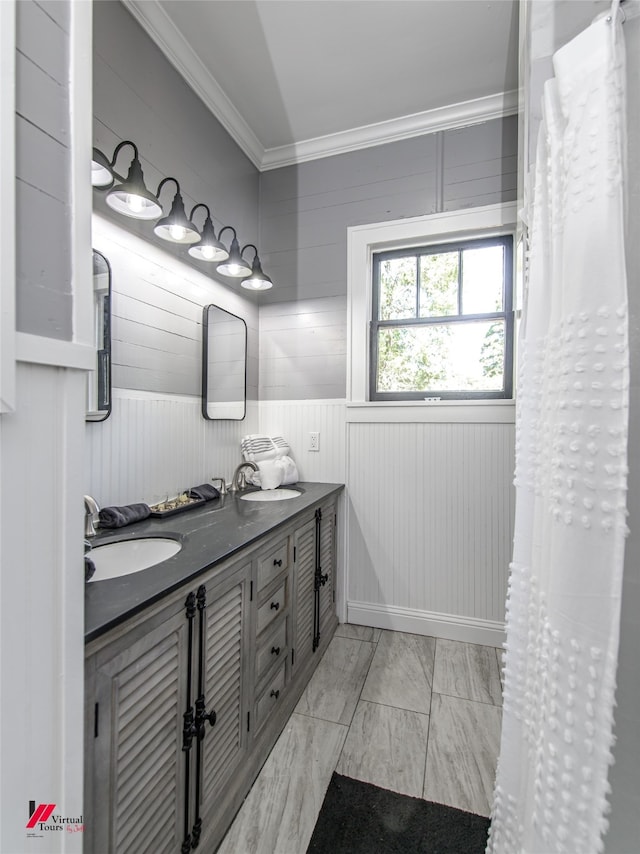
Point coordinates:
pixel 277 562
pixel 275 650
pixel 275 606
pixel 275 694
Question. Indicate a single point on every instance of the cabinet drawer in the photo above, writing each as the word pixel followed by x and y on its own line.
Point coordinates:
pixel 268 700
pixel 273 564
pixel 273 649
pixel 272 607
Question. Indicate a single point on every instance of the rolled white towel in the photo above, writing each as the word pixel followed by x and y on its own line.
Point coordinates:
pixel 257 446
pixel 289 470
pixel 271 473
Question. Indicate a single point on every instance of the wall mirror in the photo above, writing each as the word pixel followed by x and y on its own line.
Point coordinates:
pixel 224 365
pixel 99 379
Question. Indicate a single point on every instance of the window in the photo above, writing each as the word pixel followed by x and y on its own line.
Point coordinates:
pixel 442 321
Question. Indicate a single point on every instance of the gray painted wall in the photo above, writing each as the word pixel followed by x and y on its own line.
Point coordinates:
pixel 138 95
pixel 624 831
pixel 44 302
pixel 305 211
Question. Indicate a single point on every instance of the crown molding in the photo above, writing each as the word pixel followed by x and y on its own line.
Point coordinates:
pixel 155 21
pixel 417 124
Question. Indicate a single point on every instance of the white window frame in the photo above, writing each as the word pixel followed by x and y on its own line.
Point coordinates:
pixel 362 242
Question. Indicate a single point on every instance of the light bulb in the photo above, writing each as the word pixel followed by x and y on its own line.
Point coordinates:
pixel 177 232
pixel 135 203
pixel 207 253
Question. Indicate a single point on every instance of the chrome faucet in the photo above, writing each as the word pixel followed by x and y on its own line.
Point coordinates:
pixel 91 511
pixel 222 489
pixel 239 481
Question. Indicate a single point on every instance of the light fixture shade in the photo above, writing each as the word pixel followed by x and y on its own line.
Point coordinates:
pixel 101 175
pixel 235 265
pixel 132 198
pixel 176 227
pixel 257 281
pixel 209 248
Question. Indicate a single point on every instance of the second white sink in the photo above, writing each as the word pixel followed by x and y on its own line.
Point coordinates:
pixel 271 495
pixel 116 559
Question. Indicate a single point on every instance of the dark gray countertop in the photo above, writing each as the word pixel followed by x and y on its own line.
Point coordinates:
pixel 209 534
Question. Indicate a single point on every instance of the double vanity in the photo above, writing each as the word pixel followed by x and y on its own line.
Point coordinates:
pixel 194 663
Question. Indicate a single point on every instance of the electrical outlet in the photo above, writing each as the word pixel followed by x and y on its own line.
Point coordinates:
pixel 314 441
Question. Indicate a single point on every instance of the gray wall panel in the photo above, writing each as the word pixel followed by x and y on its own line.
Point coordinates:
pixel 58 11
pixel 43 294
pixel 41 38
pixel 624 830
pixel 41 161
pixel 138 95
pixel 43 101
pixel 304 215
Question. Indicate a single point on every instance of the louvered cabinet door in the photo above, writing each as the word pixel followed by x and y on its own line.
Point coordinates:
pixel 225 744
pixel 327 562
pixel 138 775
pixel 304 568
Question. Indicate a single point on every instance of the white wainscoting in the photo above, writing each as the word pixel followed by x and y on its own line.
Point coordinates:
pixel 294 420
pixel 428 515
pixel 156 445
pixel 430 520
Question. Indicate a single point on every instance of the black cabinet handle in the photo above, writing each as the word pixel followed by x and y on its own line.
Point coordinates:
pixel 275 606
pixel 275 650
pixel 275 694
pixel 277 562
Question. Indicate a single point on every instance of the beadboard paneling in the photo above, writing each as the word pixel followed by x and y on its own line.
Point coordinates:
pixel 152 446
pixel 430 516
pixel 294 420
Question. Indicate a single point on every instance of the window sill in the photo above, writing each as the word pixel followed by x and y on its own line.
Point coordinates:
pixel 436 412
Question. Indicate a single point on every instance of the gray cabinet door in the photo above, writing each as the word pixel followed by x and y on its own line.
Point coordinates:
pixel 226 656
pixel 137 792
pixel 327 562
pixel 304 568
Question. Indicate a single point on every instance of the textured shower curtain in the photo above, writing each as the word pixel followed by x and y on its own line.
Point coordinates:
pixel 563 605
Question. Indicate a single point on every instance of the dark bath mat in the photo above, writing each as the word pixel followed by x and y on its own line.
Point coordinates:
pixel 358 818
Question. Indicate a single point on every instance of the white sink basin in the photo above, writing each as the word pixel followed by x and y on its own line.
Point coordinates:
pixel 271 495
pixel 116 559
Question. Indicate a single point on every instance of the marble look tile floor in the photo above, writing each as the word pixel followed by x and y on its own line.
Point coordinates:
pixel 417 715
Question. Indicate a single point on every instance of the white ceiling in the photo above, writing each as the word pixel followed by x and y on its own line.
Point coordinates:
pixel 296 79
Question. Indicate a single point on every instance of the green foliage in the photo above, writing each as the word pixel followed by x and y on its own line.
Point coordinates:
pixel 436 356
pixel 492 352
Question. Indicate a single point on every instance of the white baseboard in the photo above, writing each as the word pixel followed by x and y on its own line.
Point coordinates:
pixel 447 626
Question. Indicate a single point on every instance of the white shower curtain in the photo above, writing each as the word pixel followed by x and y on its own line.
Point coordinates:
pixel 563 605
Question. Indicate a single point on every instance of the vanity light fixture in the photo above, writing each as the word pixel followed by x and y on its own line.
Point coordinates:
pixel 132 198
pixel 209 248
pixel 235 265
pixel 101 174
pixel 257 281
pixel 175 226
